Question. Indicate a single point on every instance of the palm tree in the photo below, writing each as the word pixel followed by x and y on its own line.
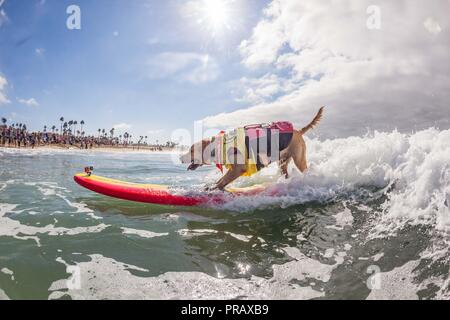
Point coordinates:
pixel 70 126
pixel 4 121
pixel 82 124
pixel 53 129
pixel 65 127
pixel 62 121
pixel 75 125
pixel 99 130
pixel 112 132
pixel 45 128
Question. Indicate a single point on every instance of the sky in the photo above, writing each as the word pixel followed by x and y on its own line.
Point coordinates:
pixel 149 67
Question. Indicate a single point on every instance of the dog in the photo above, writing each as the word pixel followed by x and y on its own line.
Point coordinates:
pixel 200 154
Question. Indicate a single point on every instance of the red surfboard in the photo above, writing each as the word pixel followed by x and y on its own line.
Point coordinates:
pixel 158 194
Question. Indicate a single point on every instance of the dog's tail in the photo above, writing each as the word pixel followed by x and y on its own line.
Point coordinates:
pixel 314 122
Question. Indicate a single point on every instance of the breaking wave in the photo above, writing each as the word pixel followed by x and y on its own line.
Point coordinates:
pixel 410 173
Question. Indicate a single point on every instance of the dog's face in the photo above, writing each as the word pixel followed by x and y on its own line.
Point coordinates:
pixel 195 155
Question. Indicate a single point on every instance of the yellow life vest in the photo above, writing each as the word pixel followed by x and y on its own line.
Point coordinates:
pixel 235 140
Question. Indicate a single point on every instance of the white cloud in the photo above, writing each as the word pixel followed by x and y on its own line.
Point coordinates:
pixel 322 53
pixel 155 132
pixel 268 37
pixel 40 51
pixel 183 66
pixel 432 25
pixel 3 84
pixel 122 126
pixel 257 90
pixel 116 33
pixel 153 40
pixel 30 102
pixel 3 16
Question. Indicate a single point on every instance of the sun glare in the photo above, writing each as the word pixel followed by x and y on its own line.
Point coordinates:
pixel 219 20
pixel 216 13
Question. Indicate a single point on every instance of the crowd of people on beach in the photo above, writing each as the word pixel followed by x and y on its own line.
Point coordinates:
pixel 70 135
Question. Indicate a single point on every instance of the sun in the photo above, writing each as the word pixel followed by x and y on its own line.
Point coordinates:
pixel 216 13
pixel 213 15
pixel 218 20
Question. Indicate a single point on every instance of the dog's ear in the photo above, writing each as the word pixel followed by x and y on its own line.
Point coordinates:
pixel 193 166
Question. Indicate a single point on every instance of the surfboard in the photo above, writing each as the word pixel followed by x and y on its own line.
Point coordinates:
pixel 159 194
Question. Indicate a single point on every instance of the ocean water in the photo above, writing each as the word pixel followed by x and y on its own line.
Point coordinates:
pixel 369 220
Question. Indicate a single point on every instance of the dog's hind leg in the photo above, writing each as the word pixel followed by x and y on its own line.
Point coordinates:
pixel 285 158
pixel 284 167
pixel 299 157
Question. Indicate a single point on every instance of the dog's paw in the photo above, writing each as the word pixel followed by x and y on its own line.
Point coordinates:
pixel 210 188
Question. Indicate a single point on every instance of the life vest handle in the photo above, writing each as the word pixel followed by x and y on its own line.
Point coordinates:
pixel 257 126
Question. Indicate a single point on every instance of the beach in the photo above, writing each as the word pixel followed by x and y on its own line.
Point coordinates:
pixel 109 149
pixel 17 136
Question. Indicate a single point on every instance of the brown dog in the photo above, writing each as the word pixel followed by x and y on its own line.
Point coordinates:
pixel 199 155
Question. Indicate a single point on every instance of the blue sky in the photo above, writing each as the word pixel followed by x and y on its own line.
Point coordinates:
pixel 151 66
pixel 110 72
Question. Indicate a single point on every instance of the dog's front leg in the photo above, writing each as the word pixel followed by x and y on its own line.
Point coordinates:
pixel 230 176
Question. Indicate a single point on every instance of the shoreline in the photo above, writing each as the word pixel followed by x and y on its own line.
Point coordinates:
pixel 105 149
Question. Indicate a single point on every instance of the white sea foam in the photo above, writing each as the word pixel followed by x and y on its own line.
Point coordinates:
pixel 13 228
pixel 81 207
pixel 105 278
pixel 202 232
pixel 378 256
pixel 397 284
pixel 143 233
pixel 47 188
pixel 3 295
pixel 239 237
pixel 195 232
pixel 343 218
pixel 8 272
